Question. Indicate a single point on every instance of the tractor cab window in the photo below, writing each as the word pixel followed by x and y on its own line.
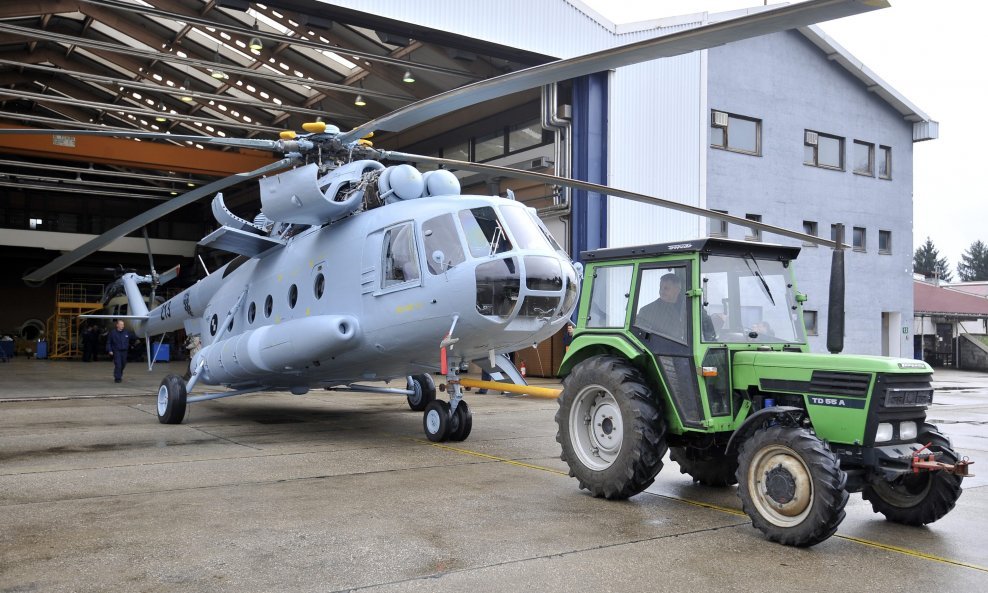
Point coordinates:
pixel 442 244
pixel 401 263
pixel 662 304
pixel 609 297
pixel 750 300
pixel 484 232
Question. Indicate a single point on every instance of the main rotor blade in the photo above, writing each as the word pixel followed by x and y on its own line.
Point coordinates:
pixel 606 190
pixel 257 144
pixel 681 42
pixel 66 260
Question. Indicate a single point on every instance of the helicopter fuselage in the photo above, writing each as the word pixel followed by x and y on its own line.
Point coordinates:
pixel 371 297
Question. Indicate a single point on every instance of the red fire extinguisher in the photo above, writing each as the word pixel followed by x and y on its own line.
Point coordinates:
pixel 523 369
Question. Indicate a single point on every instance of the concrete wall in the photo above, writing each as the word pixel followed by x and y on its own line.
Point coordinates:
pixel 790 85
pixel 973 353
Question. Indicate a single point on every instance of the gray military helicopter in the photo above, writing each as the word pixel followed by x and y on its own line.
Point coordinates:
pixel 356 271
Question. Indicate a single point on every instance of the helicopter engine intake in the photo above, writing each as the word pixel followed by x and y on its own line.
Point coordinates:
pixel 300 196
pixel 277 349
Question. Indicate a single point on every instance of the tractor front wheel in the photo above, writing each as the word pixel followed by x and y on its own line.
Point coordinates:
pixel 791 485
pixel 610 428
pixel 918 499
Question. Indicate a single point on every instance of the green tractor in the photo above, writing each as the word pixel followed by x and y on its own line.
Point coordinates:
pixel 699 347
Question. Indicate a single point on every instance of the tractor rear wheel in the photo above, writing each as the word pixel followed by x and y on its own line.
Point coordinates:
pixel 918 499
pixel 710 467
pixel 791 485
pixel 610 429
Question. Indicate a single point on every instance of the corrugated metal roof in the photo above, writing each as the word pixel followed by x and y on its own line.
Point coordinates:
pixel 937 300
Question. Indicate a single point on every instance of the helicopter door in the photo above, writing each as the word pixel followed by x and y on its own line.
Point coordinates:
pixel 663 323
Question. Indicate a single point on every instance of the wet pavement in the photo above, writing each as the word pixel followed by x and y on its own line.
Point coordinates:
pixel 334 492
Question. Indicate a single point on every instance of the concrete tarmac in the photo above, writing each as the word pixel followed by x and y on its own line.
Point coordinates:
pixel 342 492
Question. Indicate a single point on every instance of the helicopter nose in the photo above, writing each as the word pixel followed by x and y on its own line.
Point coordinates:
pixel 530 287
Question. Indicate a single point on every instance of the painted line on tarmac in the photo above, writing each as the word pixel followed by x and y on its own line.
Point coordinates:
pixel 722 509
pixel 492 457
pixel 908 552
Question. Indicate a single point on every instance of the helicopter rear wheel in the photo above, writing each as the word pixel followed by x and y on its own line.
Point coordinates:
pixel 436 421
pixel 171 400
pixel 423 390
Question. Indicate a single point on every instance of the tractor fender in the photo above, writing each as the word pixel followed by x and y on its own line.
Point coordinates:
pixel 781 414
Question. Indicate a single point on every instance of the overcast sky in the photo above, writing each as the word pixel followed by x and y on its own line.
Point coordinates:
pixel 934 54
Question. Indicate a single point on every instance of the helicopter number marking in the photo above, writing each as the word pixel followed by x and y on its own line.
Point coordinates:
pixel 187 305
pixel 166 310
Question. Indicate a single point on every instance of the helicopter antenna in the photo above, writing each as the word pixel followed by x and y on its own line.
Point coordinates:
pixel 205 269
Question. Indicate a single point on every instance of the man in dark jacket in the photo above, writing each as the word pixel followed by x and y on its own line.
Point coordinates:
pixel 118 344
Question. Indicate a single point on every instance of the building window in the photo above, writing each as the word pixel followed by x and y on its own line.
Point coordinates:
pixel 522 136
pixel 810 227
pixel 756 234
pixel 858 238
pixel 885 162
pixel 885 242
pixel 35 223
pixel 459 152
pixel 823 150
pixel 810 321
pixel 489 147
pixel 735 132
pixel 864 158
pixel 717 228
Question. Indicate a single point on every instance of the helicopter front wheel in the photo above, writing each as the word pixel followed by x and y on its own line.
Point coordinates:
pixel 436 421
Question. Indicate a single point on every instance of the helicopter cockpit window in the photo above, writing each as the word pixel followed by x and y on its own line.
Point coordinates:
pixel 401 262
pixel 485 235
pixel 526 233
pixel 442 244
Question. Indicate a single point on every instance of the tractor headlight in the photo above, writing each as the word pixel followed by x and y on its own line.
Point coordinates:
pixel 907 431
pixel 884 433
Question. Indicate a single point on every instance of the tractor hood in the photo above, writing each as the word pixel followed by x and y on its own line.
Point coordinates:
pixel 830 362
pixel 784 370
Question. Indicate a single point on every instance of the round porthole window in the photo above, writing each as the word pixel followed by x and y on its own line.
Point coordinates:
pixel 268 306
pixel 319 286
pixel 251 311
pixel 292 296
pixel 213 325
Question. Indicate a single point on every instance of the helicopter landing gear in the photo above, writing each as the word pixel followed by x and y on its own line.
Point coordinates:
pixel 447 421
pixel 451 421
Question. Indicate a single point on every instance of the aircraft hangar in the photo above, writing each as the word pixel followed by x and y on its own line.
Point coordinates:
pixel 224 68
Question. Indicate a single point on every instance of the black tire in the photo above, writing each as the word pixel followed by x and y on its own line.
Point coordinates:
pixel 710 467
pixel 918 499
pixel 620 455
pixel 791 486
pixel 425 391
pixel 435 421
pixel 460 422
pixel 171 402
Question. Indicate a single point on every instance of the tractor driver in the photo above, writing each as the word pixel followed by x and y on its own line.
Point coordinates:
pixel 667 314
